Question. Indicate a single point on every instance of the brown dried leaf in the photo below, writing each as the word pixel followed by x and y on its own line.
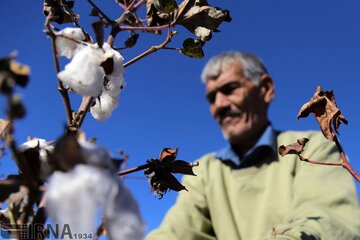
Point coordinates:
pixel 168 155
pixel 4 128
pixel 160 172
pixel 98 27
pixel 162 181
pixel 12 191
pixel 328 115
pixel 180 166
pixel 60 11
pixel 154 17
pixel 12 72
pixel 294 148
pixel 200 18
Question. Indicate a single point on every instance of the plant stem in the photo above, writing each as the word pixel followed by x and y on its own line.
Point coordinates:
pixel 135 169
pixel 151 49
pixel 109 21
pixel 319 163
pixel 81 113
pixel 63 92
pixel 345 162
pixel 138 4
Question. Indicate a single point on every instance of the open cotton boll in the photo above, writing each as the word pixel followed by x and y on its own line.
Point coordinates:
pixel 118 70
pixel 66 47
pixel 104 106
pixel 84 74
pixel 95 155
pixel 73 197
pixel 122 215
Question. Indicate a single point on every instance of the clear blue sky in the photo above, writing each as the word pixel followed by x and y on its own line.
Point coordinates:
pixel 303 43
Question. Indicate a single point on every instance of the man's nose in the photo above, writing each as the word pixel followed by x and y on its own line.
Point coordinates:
pixel 221 100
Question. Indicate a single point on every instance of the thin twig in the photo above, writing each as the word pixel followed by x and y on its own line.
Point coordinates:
pixel 151 49
pixel 63 92
pixel 109 21
pixel 143 28
pixel 346 164
pixel 319 163
pixel 134 169
pixel 81 113
pixel 138 4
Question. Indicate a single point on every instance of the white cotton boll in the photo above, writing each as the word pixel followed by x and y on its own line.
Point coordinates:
pixel 116 78
pixel 104 106
pixel 84 74
pixel 96 155
pixel 66 47
pixel 122 214
pixel 73 197
pixel 44 148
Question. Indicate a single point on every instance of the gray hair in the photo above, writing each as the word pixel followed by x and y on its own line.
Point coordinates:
pixel 254 68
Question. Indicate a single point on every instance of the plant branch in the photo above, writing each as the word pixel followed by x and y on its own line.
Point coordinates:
pixel 138 4
pixel 345 162
pixel 144 28
pixel 81 113
pixel 134 169
pixel 63 92
pixel 152 49
pixel 109 21
pixel 318 163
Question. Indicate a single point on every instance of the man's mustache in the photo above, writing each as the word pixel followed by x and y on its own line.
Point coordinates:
pixel 226 112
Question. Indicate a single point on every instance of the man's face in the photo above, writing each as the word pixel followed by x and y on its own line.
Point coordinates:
pixel 237 104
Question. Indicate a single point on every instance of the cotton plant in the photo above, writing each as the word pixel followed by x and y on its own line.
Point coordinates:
pixel 69 179
pixel 94 71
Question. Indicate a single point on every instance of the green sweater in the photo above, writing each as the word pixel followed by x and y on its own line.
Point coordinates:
pixel 280 198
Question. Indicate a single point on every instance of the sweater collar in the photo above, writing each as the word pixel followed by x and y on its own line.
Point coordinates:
pixel 268 138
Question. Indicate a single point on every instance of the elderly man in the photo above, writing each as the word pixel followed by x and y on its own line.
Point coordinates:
pixel 246 191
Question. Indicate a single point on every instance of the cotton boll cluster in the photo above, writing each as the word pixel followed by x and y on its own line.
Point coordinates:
pixel 66 47
pixel 84 74
pixel 73 197
pixel 93 71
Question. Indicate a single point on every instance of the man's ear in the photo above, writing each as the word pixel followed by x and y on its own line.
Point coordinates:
pixel 267 88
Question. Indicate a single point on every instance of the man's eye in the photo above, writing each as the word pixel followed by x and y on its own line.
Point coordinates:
pixel 229 88
pixel 211 98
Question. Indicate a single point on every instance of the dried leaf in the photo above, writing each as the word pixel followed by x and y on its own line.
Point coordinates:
pixel 180 166
pixel 12 191
pixel 165 6
pixel 154 17
pixel 16 109
pixel 328 115
pixel 21 73
pixel 67 153
pixel 160 172
pixel 98 27
pixel 60 11
pixel 132 40
pixel 168 155
pixel 193 48
pixel 294 148
pixel 4 128
pixel 200 18
pixel 11 73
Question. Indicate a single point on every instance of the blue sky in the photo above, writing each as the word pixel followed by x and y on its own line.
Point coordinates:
pixel 303 43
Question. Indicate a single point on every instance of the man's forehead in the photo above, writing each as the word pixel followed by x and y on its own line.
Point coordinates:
pixel 227 68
